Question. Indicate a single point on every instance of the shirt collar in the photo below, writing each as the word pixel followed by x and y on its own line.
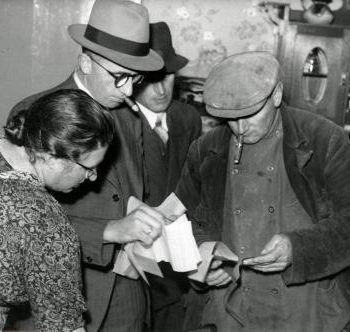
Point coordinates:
pixel 152 116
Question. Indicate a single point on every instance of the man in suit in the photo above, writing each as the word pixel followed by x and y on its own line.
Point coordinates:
pixel 115 48
pixel 168 127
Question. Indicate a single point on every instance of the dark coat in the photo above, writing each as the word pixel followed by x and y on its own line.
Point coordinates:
pixel 95 203
pixel 317 158
pixel 184 126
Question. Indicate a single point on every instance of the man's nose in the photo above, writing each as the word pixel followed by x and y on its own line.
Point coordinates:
pixel 159 88
pixel 127 88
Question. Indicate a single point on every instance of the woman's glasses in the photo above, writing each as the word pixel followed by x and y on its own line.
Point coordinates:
pixel 89 171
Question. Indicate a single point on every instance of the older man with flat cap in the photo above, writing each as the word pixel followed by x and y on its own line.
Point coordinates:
pixel 115 48
pixel 169 127
pixel 273 184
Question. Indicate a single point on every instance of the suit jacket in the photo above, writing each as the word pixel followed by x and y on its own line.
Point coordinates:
pixel 184 126
pixel 95 203
pixel 317 159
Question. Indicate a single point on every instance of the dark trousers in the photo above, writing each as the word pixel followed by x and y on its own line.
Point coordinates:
pixel 169 318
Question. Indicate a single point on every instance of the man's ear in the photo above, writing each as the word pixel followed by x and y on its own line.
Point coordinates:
pixel 277 94
pixel 84 63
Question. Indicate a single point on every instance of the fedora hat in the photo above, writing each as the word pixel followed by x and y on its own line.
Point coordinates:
pixel 240 85
pixel 119 31
pixel 161 42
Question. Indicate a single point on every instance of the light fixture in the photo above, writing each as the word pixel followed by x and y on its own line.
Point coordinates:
pixel 317 12
pixel 315 64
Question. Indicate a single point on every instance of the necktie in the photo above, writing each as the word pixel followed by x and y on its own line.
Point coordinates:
pixel 162 133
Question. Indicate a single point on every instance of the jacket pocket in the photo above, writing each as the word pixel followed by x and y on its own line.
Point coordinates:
pixel 333 307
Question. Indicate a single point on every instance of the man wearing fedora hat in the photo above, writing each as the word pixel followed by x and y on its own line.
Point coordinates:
pixel 169 127
pixel 272 183
pixel 115 50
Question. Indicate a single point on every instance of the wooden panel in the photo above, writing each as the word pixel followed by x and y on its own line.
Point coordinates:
pixel 296 44
pixel 333 48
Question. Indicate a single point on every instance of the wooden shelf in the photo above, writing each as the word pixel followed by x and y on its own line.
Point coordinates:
pixel 315 75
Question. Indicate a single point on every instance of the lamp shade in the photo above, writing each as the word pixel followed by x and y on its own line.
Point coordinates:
pixel 318 12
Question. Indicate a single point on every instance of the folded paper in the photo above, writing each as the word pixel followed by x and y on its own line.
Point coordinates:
pixel 209 251
pixel 176 244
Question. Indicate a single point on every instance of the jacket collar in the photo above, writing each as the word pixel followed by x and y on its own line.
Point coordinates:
pixel 221 145
pixel 295 139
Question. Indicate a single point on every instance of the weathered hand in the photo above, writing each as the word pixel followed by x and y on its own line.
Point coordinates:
pixel 275 257
pixel 143 224
pixel 216 275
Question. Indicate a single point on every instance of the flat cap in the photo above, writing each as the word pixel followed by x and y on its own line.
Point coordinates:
pixel 240 84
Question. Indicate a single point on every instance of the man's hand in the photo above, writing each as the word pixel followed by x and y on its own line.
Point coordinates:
pixel 275 257
pixel 216 275
pixel 143 224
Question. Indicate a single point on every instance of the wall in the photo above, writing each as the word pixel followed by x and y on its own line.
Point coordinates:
pixel 206 31
pixel 37 53
pixel 15 55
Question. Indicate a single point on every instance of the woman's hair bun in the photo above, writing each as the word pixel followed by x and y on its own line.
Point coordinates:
pixel 14 129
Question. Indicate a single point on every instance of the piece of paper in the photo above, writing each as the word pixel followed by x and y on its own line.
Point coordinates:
pixel 142 264
pixel 124 266
pixel 176 244
pixel 211 250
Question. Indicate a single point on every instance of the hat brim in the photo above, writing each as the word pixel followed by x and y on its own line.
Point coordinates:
pixel 235 113
pixel 151 62
pixel 175 63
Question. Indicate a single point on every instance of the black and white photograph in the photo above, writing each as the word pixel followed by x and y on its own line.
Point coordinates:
pixel 175 166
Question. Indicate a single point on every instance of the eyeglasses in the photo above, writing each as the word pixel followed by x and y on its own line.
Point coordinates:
pixel 122 78
pixel 89 171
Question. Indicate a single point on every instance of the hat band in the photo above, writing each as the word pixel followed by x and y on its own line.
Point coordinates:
pixel 115 43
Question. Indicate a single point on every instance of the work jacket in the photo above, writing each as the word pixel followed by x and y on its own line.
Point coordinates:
pixel 317 159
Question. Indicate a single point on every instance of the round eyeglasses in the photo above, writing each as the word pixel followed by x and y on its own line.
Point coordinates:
pixel 122 78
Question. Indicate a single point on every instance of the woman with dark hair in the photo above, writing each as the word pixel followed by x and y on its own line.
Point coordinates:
pixel 56 144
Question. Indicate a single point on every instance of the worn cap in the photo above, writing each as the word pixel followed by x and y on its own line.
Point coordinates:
pixel 240 84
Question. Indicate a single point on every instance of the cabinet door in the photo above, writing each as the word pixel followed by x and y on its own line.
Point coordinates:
pixel 315 60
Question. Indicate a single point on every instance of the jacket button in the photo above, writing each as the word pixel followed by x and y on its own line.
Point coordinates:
pixel 115 197
pixel 274 291
pixel 237 211
pixel 89 259
pixel 271 209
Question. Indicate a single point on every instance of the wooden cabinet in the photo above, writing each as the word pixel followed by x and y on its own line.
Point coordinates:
pixel 315 63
